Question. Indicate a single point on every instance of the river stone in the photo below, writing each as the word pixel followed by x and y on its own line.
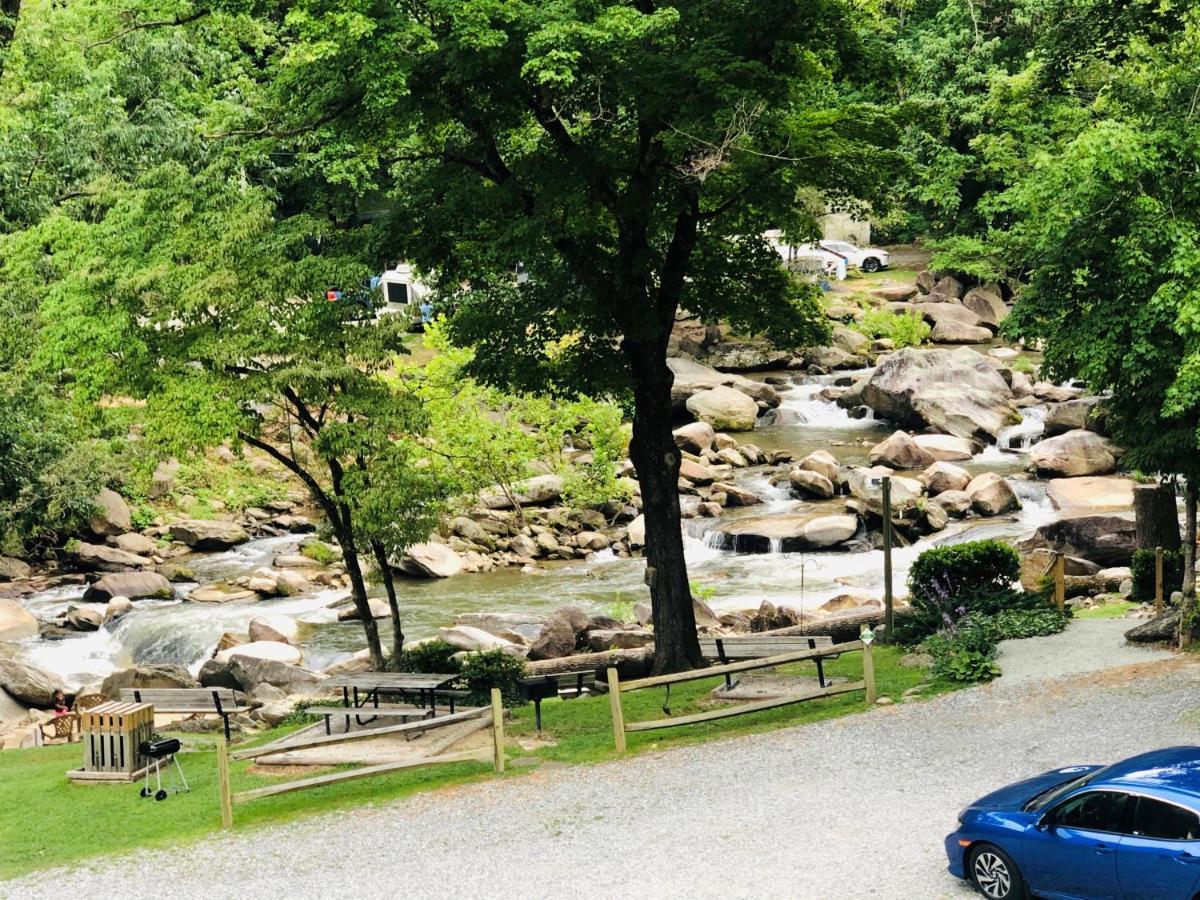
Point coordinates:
pixel 84 618
pixel 145 677
pixel 636 531
pixel 466 637
pixel 900 451
pixel 282 629
pixel 207 534
pixel 956 503
pixel 536 491
pixel 949 331
pixel 263 650
pixel 132 542
pixel 946 447
pixel 850 341
pixel 295 561
pixel 1056 393
pixel 724 408
pixel 991 495
pixel 117 607
pixel 251 671
pixel 832 358
pixel 112 515
pixel 691 377
pixel 1107 540
pixel 1082 413
pixel 430 560
pixel 790 532
pixel 12 568
pixel 523 545
pixel 619 639
pixel 100 558
pixel 377 606
pixel 735 495
pixel 16 622
pixel 1077 452
pixel 948 286
pixel 29 684
pixel 218 674
pixel 134 585
pixel 695 437
pixel 220 593
pixel 943 476
pixel 698 474
pixel 810 484
pixel 1089 493
pixel 556 640
pixel 175 571
pixel 955 391
pixel 823 463
pixel 987 304
pixel 866 485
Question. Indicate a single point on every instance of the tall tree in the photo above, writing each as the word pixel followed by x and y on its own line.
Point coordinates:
pixel 626 154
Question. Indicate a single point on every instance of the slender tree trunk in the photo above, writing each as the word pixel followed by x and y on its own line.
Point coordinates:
pixel 358 592
pixel 1189 542
pixel 389 585
pixel 656 458
pixel 1156 516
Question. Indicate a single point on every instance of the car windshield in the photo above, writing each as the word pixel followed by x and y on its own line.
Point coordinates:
pixel 1052 794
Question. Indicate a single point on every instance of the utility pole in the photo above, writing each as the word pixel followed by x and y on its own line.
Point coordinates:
pixel 886 488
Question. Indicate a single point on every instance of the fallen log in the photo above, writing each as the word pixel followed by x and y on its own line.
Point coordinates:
pixel 635 663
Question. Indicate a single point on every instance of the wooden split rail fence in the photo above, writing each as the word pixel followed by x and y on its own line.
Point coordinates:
pixel 616 688
pixel 493 754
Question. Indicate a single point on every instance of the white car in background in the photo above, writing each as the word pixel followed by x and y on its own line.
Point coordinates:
pixel 868 259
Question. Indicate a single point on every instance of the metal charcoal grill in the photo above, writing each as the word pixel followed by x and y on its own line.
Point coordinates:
pixel 160 750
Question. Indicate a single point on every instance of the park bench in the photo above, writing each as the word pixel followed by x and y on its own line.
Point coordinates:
pixel 749 646
pixel 357 713
pixel 567 685
pixel 223 702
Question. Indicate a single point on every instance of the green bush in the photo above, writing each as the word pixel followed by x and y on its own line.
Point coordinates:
pixel 318 551
pixel 947 583
pixel 492 669
pixel 965 654
pixel 435 657
pixel 909 330
pixel 1012 624
pixel 1141 570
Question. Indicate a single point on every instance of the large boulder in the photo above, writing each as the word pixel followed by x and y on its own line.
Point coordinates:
pixel 1157 630
pixel 466 637
pixel 85 618
pixel 1037 564
pixel 987 304
pixel 220 593
pixel 218 674
pixel 29 684
pixel 1107 540
pixel 251 671
pixel 695 437
pixel 900 451
pixel 146 677
pixel 16 622
pixel 949 331
pixel 1077 452
pixel 810 484
pixel 954 391
pixel 1080 413
pixel 696 473
pixel 536 491
pixel 207 534
pixel 946 447
pixel 12 568
pixel 271 651
pixel 601 639
pixel 101 558
pixel 943 476
pixel 991 495
pixel 691 377
pixel 823 463
pixel 430 560
pixel 132 542
pixel 1090 493
pixel 866 484
pixel 112 515
pixel 282 629
pixel 850 341
pixel 787 533
pixel 724 408
pixel 949 314
pixel 556 640
pixel 746 356
pixel 636 530
pixel 735 495
pixel 134 585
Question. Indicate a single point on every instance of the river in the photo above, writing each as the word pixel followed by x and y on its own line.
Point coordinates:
pixel 186 633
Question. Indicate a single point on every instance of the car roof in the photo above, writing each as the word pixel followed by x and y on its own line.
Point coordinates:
pixel 1175 769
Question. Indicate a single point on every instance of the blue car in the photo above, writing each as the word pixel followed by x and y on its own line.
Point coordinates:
pixel 1129 831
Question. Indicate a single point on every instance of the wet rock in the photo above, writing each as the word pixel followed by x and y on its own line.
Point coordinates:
pixel 145 677
pixel 117 607
pixel 946 447
pixel 735 495
pixel 943 476
pixel 1075 453
pixel 987 304
pixel 465 637
pixel 272 651
pixel 29 684
pixel 823 463
pixel 289 583
pixel 135 543
pixel 992 495
pixel 1107 540
pixel 283 629
pixel 16 622
pixel 430 560
pixel 1090 493
pixel 1086 413
pixel 695 437
pixel 724 408
pixel 100 558
pixel 209 535
pixel 12 569
pixel 789 532
pixel 173 571
pixel 112 515
pixel 900 451
pixel 866 484
pixel 220 593
pixel 955 391
pixel 956 503
pixel 134 585
pixel 84 618
pixel 810 484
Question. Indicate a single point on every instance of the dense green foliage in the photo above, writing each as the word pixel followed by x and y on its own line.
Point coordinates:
pixel 947 583
pixel 1141 570
pixel 429 656
pixel 909 330
pixel 492 669
pixel 964 654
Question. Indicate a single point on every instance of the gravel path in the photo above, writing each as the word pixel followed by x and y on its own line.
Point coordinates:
pixel 855 807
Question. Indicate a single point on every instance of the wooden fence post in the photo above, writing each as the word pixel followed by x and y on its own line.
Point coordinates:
pixel 869 672
pixel 1060 582
pixel 618 717
pixel 1158 581
pixel 223 782
pixel 498 729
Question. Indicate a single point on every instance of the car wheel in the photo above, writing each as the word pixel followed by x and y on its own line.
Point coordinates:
pixel 995 874
pixel 870 264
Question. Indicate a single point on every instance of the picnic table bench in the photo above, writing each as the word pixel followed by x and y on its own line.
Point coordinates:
pixel 567 685
pixel 749 646
pixel 223 702
pixel 362 691
pixel 386 710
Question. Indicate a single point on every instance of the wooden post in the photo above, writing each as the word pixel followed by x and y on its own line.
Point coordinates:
pixel 888 605
pixel 223 783
pixel 1158 581
pixel 618 717
pixel 498 729
pixel 869 672
pixel 1060 582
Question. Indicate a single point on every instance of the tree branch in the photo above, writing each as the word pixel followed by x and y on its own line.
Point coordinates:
pixel 142 26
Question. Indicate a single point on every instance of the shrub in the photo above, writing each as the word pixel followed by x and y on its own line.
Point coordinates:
pixel 435 657
pixel 909 330
pixel 965 653
pixel 1012 624
pixel 1141 570
pixel 947 583
pixel 492 669
pixel 319 551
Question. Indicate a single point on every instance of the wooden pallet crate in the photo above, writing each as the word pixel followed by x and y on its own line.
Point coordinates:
pixel 112 733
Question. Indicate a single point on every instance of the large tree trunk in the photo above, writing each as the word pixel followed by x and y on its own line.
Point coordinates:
pixel 1189 542
pixel 1157 516
pixel 656 459
pixel 389 585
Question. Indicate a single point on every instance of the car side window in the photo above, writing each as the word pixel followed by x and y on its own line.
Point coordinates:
pixel 1094 811
pixel 1156 819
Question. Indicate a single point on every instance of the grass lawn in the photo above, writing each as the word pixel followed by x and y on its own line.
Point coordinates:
pixel 1107 611
pixel 46 821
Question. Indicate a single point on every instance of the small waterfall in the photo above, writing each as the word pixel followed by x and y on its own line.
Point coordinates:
pixel 775 545
pixel 1020 437
pixel 804 405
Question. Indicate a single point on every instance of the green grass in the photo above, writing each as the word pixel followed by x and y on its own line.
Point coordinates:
pixel 46 821
pixel 1107 611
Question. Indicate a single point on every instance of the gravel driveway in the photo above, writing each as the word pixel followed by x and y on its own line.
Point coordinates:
pixel 850 808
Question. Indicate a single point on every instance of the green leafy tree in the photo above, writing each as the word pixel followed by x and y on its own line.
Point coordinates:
pixel 626 155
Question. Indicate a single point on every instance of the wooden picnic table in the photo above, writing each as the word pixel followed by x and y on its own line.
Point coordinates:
pixel 359 690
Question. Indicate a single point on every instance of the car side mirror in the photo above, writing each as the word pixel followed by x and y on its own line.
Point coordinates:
pixel 1045 823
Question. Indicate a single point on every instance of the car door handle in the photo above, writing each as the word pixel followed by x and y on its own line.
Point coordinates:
pixel 1104 848
pixel 1187 858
